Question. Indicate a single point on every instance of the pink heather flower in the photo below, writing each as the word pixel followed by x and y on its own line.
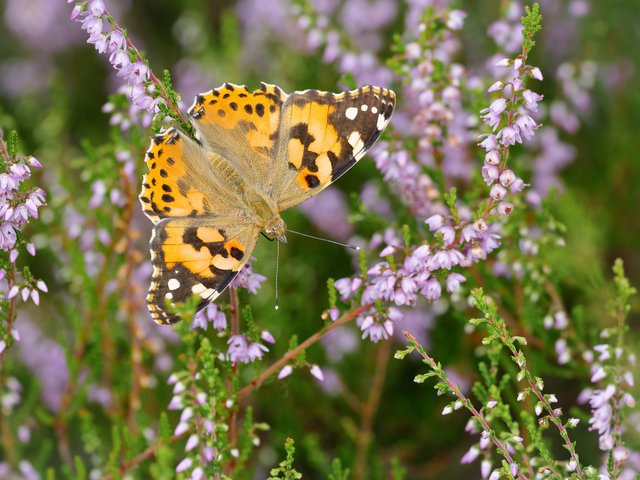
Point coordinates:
pixel 517 186
pixel 455 20
pixel 434 222
pixel 505 208
pixel 432 290
pixel 505 62
pixel 185 464
pixel 453 282
pixel 317 372
pixel 96 7
pixel 485 468
pixel 536 73
pixel 347 286
pixel 526 125
pixel 516 84
pixel 256 351
pixel 267 337
pixel 237 351
pixel 509 136
pixel 499 85
pixel 492 158
pixel 197 474
pixel 192 442
pixel 531 100
pixel 507 177
pixel 489 143
pixel 597 373
pixel 448 235
pixel 517 63
pixel 471 455
pixel 498 192
pixel 33 161
pixel 77 10
pixel 389 250
pixel 468 234
pixel 181 428
pixel 492 115
pixel 115 41
pixel 285 372
pixel 490 174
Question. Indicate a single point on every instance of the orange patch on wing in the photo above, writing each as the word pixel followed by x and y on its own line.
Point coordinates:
pixel 296 152
pixel 208 234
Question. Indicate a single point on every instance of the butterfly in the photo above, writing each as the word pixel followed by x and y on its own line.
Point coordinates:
pixel 258 154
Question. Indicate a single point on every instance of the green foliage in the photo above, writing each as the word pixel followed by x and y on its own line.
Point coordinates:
pixel 532 24
pixel 285 469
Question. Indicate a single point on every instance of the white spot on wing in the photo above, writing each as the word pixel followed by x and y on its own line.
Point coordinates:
pixel 374 110
pixel 351 113
pixel 198 288
pixel 207 293
pixel 355 140
pixel 382 122
pixel 173 284
pixel 169 295
pixel 364 108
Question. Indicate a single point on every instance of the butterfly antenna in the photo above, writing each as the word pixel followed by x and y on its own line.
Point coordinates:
pixel 277 265
pixel 346 245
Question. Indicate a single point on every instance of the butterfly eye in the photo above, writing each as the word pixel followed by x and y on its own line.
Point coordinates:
pixel 276 229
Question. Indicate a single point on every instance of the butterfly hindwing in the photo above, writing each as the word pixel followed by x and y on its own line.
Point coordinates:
pixel 324 134
pixel 195 257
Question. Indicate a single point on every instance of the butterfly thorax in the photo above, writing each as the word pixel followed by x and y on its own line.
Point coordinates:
pixel 265 213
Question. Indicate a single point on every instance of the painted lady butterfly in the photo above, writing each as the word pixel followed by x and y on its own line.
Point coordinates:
pixel 261 153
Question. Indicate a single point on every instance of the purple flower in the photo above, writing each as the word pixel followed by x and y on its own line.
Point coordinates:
pixel 432 290
pixel 448 235
pixel 256 351
pixel 237 351
pixel 210 314
pixel 453 282
pixel 434 222
pixel 247 279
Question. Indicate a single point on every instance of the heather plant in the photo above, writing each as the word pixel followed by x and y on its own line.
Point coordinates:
pixel 470 259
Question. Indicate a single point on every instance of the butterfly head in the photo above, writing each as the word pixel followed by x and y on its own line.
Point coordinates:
pixel 276 229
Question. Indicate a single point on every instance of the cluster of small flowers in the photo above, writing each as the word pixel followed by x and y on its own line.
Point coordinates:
pixel 10 398
pixel 484 446
pixel 433 114
pixel 416 189
pixel 314 370
pixel 210 314
pixel 134 115
pixel 189 399
pixel 362 64
pixel 433 95
pixel 512 111
pixel 248 279
pixel 612 370
pixel 108 38
pixel 242 350
pixel 17 206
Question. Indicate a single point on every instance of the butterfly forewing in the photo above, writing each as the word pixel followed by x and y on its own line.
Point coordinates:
pixel 240 125
pixel 324 134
